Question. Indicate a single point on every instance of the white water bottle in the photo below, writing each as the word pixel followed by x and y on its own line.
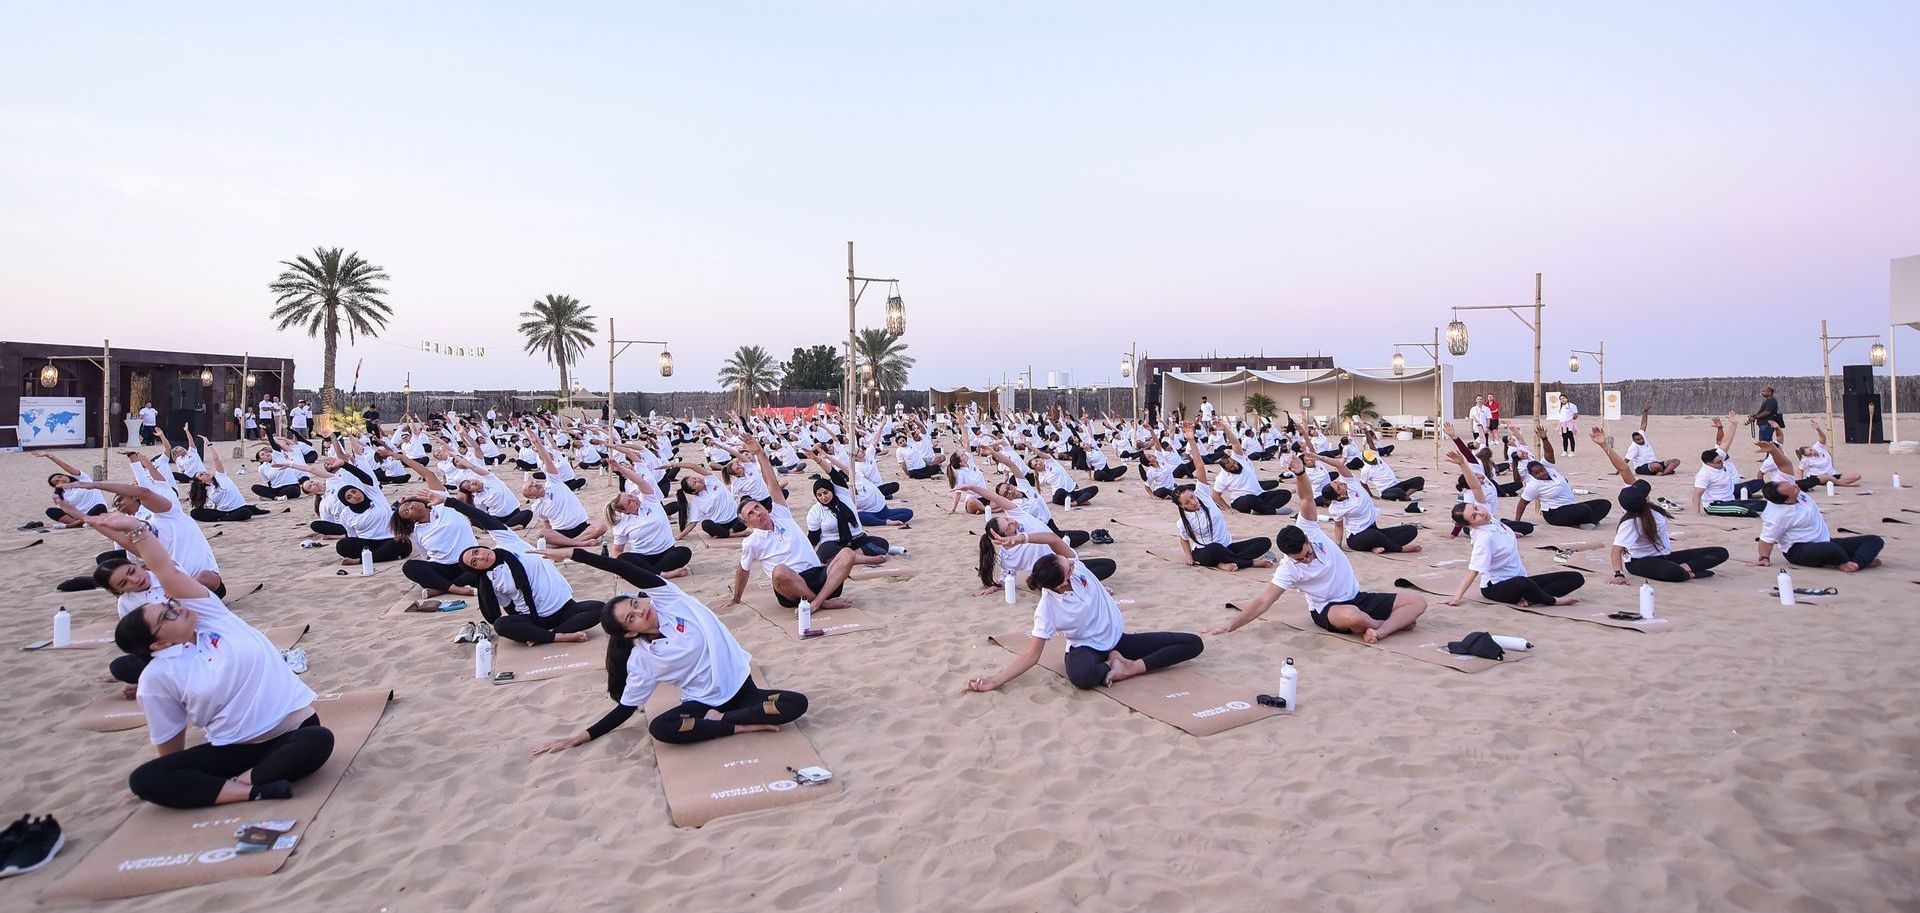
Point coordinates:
pixel 805 617
pixel 483 658
pixel 1785 584
pixel 1290 685
pixel 62 627
pixel 1896 480
pixel 540 543
pixel 1646 601
pixel 1510 642
pixel 1006 580
pixel 1829 489
pixel 366 562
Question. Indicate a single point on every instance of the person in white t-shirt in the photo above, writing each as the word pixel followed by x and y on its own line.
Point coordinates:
pixel 215 497
pixel 1792 523
pixel 663 635
pixel 1355 517
pixel 1207 542
pixel 1717 487
pixel 1559 506
pixel 1640 452
pixel 1075 604
pixel 775 542
pixel 1206 411
pixel 639 530
pixel 1641 545
pixel 1311 563
pixel 557 508
pixel 210 669
pixel 1495 558
pixel 1480 417
pixel 1816 463
pixel 149 424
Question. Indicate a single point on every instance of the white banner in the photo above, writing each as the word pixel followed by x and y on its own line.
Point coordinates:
pixel 52 421
pixel 1610 404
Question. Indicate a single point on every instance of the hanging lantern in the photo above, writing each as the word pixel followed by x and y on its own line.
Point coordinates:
pixel 1399 364
pixel 666 363
pixel 49 376
pixel 252 379
pixel 206 377
pixel 1877 355
pixel 1126 367
pixel 1306 402
pixel 1457 337
pixel 1573 363
pixel 896 315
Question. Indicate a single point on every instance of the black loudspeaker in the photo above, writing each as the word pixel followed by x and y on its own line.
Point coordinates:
pixel 1859 379
pixel 1862 412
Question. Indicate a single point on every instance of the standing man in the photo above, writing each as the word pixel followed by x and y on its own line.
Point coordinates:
pixel 299 418
pixel 1768 416
pixel 268 416
pixel 149 424
pixel 1481 416
pixel 1493 413
pixel 1206 411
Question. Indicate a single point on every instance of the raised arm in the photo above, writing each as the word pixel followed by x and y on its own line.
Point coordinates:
pixel 1302 489
pixel 212 454
pixel 148 498
pixel 1620 465
pixel 65 466
pixel 138 538
pixel 1644 411
pixel 1546 442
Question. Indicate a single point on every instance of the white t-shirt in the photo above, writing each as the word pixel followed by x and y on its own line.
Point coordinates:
pixel 1717 484
pixel 224 495
pixel 1325 580
pixel 1549 494
pixel 1629 537
pixel 83 499
pixel 149 416
pixel 1086 613
pixel 713 502
pixel 1788 525
pixel 183 540
pixel 1817 463
pixel 230 681
pixel 560 507
pixel 645 532
pixel 1641 454
pixel 1495 554
pixel 1209 525
pixel 1357 511
pixel 551 591
pixel 784 545
pixel 694 651
pixel 443 536
pixel 1235 485
pixel 820 519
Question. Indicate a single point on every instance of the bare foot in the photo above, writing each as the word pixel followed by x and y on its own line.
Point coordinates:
pixel 754 727
pixel 1567 600
pixel 1121 668
pixel 1372 635
pixel 1849 567
pixel 129 692
pixel 676 572
pixel 1263 563
pixel 1229 568
pixel 838 602
pixel 1379 549
pixel 577 637
pixel 1410 549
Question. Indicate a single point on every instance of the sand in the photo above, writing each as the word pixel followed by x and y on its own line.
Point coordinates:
pixel 1761 758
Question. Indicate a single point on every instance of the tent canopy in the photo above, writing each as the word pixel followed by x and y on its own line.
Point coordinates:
pixel 1401 399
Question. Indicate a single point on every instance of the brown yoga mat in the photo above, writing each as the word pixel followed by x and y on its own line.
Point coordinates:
pixel 1800 599
pixel 1411 643
pixel 22 546
pixel 1441 584
pixel 160 849
pixel 1179 696
pixel 544 661
pixel 332 571
pixel 1594 615
pixel 402 606
pixel 831 621
pixel 735 774
pixel 883 572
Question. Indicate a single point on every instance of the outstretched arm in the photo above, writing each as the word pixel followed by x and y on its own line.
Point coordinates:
pixel 65 466
pixel 148 498
pixel 1620 465
pixel 1302 489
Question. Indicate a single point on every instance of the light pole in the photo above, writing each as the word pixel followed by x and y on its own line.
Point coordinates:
pixel 1126 372
pixel 896 325
pixel 50 376
pixel 1876 356
pixel 1457 336
pixel 617 346
pixel 1599 362
pixel 1400 368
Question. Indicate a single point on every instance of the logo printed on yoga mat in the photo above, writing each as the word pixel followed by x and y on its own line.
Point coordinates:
pixel 781 786
pixel 1228 707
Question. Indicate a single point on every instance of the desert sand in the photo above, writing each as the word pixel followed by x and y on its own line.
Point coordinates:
pixel 1760 758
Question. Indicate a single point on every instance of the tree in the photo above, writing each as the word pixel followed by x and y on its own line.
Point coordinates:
pixel 749 372
pixel 1358 406
pixel 888 357
pixel 814 368
pixel 560 328
pixel 323 292
pixel 1262 405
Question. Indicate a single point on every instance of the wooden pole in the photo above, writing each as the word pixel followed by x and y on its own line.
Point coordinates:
pixel 1601 361
pixel 1436 400
pixel 106 400
pixel 1826 375
pixel 846 402
pixel 1539 329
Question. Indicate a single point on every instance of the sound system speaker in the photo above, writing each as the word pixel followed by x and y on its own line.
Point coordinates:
pixel 1859 379
pixel 1862 413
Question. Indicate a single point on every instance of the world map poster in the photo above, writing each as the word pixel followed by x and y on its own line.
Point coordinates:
pixel 52 421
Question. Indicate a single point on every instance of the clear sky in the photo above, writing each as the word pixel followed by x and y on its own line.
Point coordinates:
pixel 1700 183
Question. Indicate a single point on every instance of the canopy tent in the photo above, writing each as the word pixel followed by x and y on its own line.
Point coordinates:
pixel 1903 307
pixel 1402 400
pixel 939 400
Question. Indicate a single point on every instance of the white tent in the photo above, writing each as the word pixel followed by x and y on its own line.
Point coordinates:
pixel 1903 306
pixel 1403 400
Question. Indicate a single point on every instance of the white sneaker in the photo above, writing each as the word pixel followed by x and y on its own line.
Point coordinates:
pixel 296 658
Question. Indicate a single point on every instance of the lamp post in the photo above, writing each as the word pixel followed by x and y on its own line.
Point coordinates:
pixel 1126 373
pixel 105 364
pixel 1600 362
pixel 896 325
pixel 1400 367
pixel 1457 336
pixel 1876 356
pixel 617 346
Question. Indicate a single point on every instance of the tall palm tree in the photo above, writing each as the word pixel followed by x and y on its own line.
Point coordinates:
pixel 560 328
pixel 887 355
pixel 323 292
pixel 750 371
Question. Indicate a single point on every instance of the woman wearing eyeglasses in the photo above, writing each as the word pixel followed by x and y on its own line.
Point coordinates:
pixel 210 669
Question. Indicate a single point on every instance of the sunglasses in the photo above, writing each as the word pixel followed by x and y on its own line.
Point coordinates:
pixel 170 611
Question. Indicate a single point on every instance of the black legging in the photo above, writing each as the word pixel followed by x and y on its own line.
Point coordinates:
pixel 924 472
pixel 871 546
pixel 1079 495
pixel 723 530
pixel 1087 667
pixel 1667 568
pixel 1566 440
pixel 750 706
pixel 1835 552
pixel 433 575
pixel 1391 538
pixel 1519 527
pixel 239 514
pixel 127 668
pixel 1579 514
pixel 672 559
pixel 289 491
pixel 392 480
pixel 1403 489
pixel 1102 568
pixel 60 516
pixel 383 549
pixel 327 528
pixel 518 518
pixel 1265 503
pixel 889 489
pixel 193 777
pixel 1073 537
pixel 1540 589
pixel 576 615
pixel 576 483
pixel 1241 554
pixel 1109 474
pixel 1508 489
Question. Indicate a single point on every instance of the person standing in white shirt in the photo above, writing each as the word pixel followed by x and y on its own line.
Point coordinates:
pixel 1569 424
pixel 149 424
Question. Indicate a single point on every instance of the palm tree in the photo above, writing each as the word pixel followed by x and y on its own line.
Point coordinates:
pixel 1262 405
pixel 1358 406
pixel 888 357
pixel 560 328
pixel 749 372
pixel 323 292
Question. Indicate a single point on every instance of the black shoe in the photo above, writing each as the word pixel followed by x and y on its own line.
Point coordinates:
pixel 10 838
pixel 36 848
pixel 1413 507
pixel 1101 537
pixel 33 524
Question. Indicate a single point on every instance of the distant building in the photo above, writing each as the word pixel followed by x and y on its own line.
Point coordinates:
pixel 196 389
pixel 1151 368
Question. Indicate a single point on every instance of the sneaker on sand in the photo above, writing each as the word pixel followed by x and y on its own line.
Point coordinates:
pixel 35 848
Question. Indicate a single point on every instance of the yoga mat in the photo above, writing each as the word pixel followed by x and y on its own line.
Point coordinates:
pixel 1578 545
pixel 1410 644
pixel 1178 696
pixel 735 774
pixel 1143 527
pixel 399 606
pixel 1598 616
pixel 881 573
pixel 832 621
pixel 332 571
pixel 544 661
pixel 1799 599
pixel 1441 585
pixel 159 849
pixel 15 548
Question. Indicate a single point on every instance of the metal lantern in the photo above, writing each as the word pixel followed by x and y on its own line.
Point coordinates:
pixel 1126 367
pixel 206 377
pixel 49 376
pixel 666 363
pixel 1399 364
pixel 1877 355
pixel 252 379
pixel 1573 363
pixel 896 316
pixel 1306 402
pixel 1457 337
